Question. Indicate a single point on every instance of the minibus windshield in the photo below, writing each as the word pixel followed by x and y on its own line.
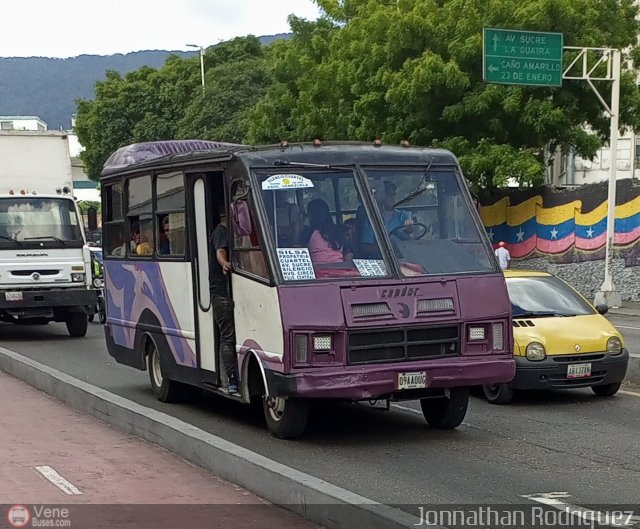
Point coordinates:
pixel 315 217
pixel 428 220
pixel 322 229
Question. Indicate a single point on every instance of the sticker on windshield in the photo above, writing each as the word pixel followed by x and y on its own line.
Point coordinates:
pixel 370 267
pixel 286 181
pixel 296 264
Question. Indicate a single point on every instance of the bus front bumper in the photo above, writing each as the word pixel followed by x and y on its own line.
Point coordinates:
pixel 377 381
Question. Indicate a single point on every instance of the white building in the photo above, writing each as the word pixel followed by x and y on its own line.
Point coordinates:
pixel 22 123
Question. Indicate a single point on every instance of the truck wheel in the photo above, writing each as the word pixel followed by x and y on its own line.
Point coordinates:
pixel 498 393
pixel 286 418
pixel 606 390
pixel 164 389
pixel 446 413
pixel 77 324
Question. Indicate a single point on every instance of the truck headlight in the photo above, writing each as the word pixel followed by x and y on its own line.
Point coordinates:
pixel 614 345
pixel 97 282
pixel 535 351
pixel 77 278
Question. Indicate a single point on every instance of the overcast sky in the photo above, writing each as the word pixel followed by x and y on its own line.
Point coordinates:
pixel 68 28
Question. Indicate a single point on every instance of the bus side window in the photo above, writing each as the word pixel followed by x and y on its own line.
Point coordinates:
pixel 247 253
pixel 114 230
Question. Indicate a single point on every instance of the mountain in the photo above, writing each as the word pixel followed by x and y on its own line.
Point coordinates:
pixel 49 87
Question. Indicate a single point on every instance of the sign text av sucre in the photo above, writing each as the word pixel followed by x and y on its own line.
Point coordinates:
pixel 522 57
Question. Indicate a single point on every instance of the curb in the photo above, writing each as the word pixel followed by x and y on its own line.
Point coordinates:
pixel 633 370
pixel 312 498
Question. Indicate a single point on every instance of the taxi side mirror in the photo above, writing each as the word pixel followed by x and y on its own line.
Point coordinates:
pixel 602 309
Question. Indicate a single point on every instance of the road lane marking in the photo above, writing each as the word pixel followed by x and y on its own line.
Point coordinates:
pixel 627 392
pixel 627 327
pixel 608 518
pixel 405 408
pixel 58 480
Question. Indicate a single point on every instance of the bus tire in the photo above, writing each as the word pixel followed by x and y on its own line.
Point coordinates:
pixel 286 418
pixel 77 324
pixel 446 413
pixel 497 393
pixel 164 389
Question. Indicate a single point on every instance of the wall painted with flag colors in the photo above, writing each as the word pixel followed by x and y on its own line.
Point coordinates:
pixel 546 225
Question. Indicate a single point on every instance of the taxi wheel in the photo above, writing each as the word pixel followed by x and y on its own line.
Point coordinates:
pixel 606 390
pixel 286 418
pixel 446 413
pixel 498 393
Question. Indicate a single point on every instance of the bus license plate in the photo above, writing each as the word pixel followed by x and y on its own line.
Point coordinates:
pixel 13 296
pixel 578 370
pixel 414 380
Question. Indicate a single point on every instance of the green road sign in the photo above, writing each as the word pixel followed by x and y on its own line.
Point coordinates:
pixel 522 57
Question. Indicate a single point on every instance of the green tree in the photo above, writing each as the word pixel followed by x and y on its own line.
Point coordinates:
pixel 167 103
pixel 412 69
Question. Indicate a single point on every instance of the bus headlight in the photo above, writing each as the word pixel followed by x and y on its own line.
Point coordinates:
pixel 476 333
pixel 77 278
pixel 535 351
pixel 498 336
pixel 614 345
pixel 322 343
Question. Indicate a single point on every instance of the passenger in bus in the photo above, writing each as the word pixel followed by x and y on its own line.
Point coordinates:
pixel 145 244
pixel 164 245
pixel 326 240
pixel 221 301
pixel 393 219
pixel 289 220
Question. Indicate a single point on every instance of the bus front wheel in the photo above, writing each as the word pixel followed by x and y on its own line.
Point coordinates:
pixel 164 389
pixel 446 413
pixel 286 418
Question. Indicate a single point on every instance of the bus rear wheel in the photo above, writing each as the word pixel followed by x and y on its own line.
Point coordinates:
pixel 286 418
pixel 164 389
pixel 446 413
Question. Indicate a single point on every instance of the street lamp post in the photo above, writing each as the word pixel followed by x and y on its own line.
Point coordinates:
pixel 201 63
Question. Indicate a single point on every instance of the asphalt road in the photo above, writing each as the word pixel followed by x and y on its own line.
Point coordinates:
pixel 541 443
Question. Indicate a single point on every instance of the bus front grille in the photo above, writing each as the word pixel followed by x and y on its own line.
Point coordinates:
pixel 403 345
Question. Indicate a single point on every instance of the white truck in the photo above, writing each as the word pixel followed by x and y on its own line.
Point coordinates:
pixel 45 264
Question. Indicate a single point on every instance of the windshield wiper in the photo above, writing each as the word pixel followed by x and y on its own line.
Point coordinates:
pixel 307 164
pixel 422 187
pixel 541 314
pixel 6 238
pixel 46 237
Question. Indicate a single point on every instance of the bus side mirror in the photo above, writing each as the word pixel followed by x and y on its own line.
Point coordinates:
pixel 92 219
pixel 241 218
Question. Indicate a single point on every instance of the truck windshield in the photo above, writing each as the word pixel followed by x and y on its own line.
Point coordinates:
pixel 429 222
pixel 38 222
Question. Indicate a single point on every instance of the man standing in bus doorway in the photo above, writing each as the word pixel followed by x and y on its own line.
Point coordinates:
pixel 503 256
pixel 222 303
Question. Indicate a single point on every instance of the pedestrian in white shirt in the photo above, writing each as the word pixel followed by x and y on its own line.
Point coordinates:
pixel 503 255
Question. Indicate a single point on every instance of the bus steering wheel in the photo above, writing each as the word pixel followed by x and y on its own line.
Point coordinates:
pixel 415 235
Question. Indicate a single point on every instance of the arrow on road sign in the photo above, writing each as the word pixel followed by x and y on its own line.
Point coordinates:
pixel 492 68
pixel 495 43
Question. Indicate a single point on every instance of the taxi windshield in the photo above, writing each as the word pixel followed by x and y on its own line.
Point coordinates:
pixel 540 296
pixel 429 222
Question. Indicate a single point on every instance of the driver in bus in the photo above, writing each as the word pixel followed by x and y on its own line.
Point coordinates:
pixel 393 219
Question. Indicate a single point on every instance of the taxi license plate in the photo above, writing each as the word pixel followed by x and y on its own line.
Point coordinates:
pixel 415 380
pixel 13 296
pixel 578 370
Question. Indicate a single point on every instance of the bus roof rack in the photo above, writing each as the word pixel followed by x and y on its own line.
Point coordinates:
pixel 150 150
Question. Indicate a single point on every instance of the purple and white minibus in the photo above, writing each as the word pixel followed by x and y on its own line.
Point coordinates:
pixel 360 273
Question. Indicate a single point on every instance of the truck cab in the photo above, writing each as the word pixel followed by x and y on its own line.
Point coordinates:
pixel 45 264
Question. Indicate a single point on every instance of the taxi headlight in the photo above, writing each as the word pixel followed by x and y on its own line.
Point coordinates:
pixel 614 345
pixel 535 351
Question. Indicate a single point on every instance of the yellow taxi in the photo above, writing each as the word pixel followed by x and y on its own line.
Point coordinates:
pixel 560 340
